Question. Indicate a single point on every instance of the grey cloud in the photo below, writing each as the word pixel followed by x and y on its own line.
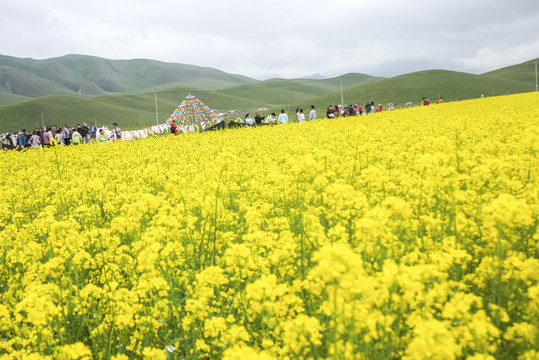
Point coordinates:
pixel 289 38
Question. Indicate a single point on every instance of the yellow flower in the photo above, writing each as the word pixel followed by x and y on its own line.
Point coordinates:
pixel 154 354
pixel 74 351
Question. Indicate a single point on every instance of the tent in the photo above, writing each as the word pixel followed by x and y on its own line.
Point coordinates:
pixel 193 115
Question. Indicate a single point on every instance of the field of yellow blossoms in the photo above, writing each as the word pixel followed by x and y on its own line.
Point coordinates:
pixel 410 234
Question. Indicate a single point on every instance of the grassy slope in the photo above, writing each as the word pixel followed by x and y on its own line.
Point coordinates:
pixel 136 110
pixel 133 111
pixel 72 73
pixel 280 91
pixel 130 111
pixel 8 98
pixel 17 81
pixel 432 84
pixel 524 73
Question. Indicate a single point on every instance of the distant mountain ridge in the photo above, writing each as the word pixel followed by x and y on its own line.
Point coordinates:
pixel 89 75
pixel 316 76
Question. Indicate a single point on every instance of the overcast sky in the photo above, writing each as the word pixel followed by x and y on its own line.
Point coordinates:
pixel 280 38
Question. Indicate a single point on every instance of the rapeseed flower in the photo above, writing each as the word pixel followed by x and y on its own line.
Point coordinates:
pixel 408 234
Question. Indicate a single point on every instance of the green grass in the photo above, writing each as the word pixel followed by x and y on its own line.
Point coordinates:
pixel 524 73
pixel 281 91
pixel 75 74
pixel 8 98
pixel 138 110
pixel 412 87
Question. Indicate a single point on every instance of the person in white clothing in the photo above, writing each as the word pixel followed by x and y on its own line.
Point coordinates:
pixel 312 114
pixel 283 118
pixel 301 116
pixel 249 120
pixel 116 134
pixel 270 119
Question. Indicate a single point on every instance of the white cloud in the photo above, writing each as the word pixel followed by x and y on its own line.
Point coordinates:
pixel 288 38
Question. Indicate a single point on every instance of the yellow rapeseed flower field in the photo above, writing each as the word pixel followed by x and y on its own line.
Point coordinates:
pixel 409 234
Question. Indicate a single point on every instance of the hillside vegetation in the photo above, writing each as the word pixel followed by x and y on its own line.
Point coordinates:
pixel 93 90
pixel 88 75
pixel 433 84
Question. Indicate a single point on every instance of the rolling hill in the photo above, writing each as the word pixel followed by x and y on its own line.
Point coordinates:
pixel 88 75
pixel 450 85
pixel 524 73
pixel 137 109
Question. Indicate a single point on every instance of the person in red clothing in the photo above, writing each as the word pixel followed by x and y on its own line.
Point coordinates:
pixel 379 109
pixel 174 128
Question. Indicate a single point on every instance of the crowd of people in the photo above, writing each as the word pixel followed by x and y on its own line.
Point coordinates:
pixel 356 110
pixel 58 135
pixel 79 134
pixel 331 112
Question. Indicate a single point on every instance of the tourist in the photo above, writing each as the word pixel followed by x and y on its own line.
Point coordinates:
pixel 312 113
pixel 379 109
pixel 76 137
pixel 259 118
pixel 174 128
pixel 66 135
pixel 47 137
pixel 270 119
pixel 8 142
pixel 116 132
pixel 337 111
pixel 93 133
pixel 21 139
pixel 101 137
pixel 84 131
pixel 249 120
pixel 36 140
pixel 58 137
pixel 283 118
pixel 390 106
pixel 329 112
pixel 301 116
pixel 30 141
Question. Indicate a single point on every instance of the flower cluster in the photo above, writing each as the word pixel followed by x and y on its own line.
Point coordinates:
pixel 408 234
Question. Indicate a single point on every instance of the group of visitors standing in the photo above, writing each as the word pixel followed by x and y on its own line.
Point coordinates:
pixel 281 119
pixel 425 101
pixel 78 134
pixel 58 135
pixel 356 110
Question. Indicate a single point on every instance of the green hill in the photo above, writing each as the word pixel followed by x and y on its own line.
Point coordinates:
pixel 410 88
pixel 8 98
pixel 281 91
pixel 524 73
pixel 137 110
pixel 88 75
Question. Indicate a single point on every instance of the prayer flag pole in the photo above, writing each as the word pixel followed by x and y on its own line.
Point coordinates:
pixel 536 83
pixel 342 96
pixel 156 113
